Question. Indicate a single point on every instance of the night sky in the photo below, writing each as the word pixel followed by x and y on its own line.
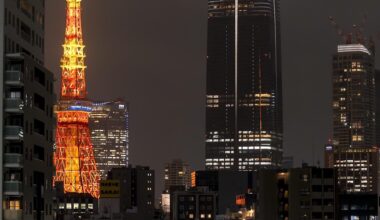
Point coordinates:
pixel 153 53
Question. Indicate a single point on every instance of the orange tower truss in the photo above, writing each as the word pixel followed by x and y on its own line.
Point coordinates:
pixel 74 156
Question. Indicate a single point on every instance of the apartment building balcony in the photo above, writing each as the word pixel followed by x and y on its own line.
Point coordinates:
pixel 13 188
pixel 13 160
pixel 14 78
pixel 13 105
pixel 13 132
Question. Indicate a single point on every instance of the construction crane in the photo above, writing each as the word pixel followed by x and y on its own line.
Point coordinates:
pixel 354 36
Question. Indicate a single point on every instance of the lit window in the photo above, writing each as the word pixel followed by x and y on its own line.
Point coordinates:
pixel 68 206
pixel 357 138
pixel 76 205
pixel 83 206
pixel 14 204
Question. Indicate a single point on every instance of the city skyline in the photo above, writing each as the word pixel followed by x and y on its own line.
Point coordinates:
pixel 315 99
pixel 206 109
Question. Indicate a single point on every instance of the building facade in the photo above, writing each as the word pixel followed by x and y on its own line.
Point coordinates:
pixel 227 184
pixel 354 136
pixel 295 193
pixel 27 113
pixel 377 94
pixel 358 206
pixel 298 193
pixel 109 128
pixel 197 203
pixel 244 85
pixel 354 96
pixel 136 191
pixel 177 173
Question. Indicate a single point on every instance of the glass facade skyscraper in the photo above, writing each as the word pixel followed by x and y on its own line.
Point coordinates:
pixel 244 87
pixel 109 135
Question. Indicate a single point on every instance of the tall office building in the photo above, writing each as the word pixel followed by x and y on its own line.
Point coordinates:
pixel 354 139
pixel 27 101
pixel 377 95
pixel 109 135
pixel 244 92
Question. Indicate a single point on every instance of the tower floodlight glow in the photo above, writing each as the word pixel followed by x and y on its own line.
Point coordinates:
pixel 74 155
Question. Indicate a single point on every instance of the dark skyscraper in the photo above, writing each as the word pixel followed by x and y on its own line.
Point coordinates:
pixel 354 138
pixel 244 92
pixel 377 95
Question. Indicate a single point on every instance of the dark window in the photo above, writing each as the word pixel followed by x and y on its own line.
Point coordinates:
pixel 6 17
pixel 317 188
pixel 26 32
pixel 39 127
pixel 39 76
pixel 328 173
pixel 39 101
pixel 317 215
pixel 38 152
pixel 9 18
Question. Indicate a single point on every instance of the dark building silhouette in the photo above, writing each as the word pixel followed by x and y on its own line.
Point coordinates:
pixel 358 206
pixel 197 203
pixel 227 184
pixel 244 92
pixel 295 193
pixel 377 95
pixel 136 191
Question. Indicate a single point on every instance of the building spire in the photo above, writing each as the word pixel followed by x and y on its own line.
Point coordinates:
pixel 73 81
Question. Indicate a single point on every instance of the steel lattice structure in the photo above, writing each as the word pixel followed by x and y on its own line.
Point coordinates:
pixel 74 155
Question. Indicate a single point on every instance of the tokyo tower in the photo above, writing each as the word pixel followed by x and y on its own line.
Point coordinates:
pixel 74 155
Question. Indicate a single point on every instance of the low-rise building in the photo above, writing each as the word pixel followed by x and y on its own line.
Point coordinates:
pixel 197 203
pixel 128 193
pixel 298 193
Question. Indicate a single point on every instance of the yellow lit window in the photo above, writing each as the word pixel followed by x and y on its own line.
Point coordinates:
pixel 14 205
pixel 357 138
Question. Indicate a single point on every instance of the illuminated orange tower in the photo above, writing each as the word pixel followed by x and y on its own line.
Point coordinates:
pixel 74 155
